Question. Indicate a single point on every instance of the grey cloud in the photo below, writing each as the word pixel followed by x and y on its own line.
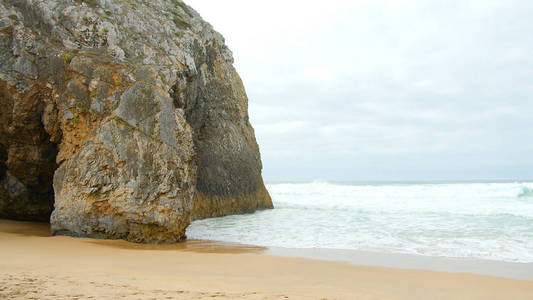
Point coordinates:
pixel 416 90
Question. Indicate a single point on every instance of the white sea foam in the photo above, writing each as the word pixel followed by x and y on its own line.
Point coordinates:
pixel 467 220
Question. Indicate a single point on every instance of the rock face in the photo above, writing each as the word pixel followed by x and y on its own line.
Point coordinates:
pixel 121 119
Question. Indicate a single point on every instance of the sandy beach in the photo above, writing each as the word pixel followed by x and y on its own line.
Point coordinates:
pixel 34 265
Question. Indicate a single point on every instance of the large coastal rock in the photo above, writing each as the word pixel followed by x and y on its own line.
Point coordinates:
pixel 121 119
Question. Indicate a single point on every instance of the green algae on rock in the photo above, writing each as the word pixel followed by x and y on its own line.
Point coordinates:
pixel 132 109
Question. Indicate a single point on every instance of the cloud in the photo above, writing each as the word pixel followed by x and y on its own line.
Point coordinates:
pixel 385 90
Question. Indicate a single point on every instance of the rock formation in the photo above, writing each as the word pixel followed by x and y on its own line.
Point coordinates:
pixel 131 110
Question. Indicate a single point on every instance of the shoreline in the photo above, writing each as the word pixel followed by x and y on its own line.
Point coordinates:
pixel 33 264
pixel 503 269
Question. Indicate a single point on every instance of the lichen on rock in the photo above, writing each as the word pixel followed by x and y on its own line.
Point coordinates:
pixel 132 109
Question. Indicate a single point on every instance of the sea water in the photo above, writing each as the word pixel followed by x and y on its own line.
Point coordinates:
pixel 491 221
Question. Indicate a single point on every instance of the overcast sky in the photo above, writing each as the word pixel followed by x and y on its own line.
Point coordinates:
pixel 385 90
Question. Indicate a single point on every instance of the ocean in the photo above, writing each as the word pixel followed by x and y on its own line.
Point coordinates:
pixel 490 221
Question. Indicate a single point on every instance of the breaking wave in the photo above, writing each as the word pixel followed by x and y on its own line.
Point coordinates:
pixel 526 192
pixel 476 220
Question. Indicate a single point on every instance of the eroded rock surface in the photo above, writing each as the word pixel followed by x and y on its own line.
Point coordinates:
pixel 132 108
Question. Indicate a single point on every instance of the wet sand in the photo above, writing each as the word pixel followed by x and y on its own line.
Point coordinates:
pixel 512 270
pixel 34 265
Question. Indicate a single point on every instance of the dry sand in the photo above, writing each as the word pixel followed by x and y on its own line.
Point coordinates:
pixel 36 266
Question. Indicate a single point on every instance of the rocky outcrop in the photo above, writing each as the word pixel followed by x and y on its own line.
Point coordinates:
pixel 132 109
pixel 229 165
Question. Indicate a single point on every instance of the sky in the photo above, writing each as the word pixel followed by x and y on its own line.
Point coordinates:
pixel 384 90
